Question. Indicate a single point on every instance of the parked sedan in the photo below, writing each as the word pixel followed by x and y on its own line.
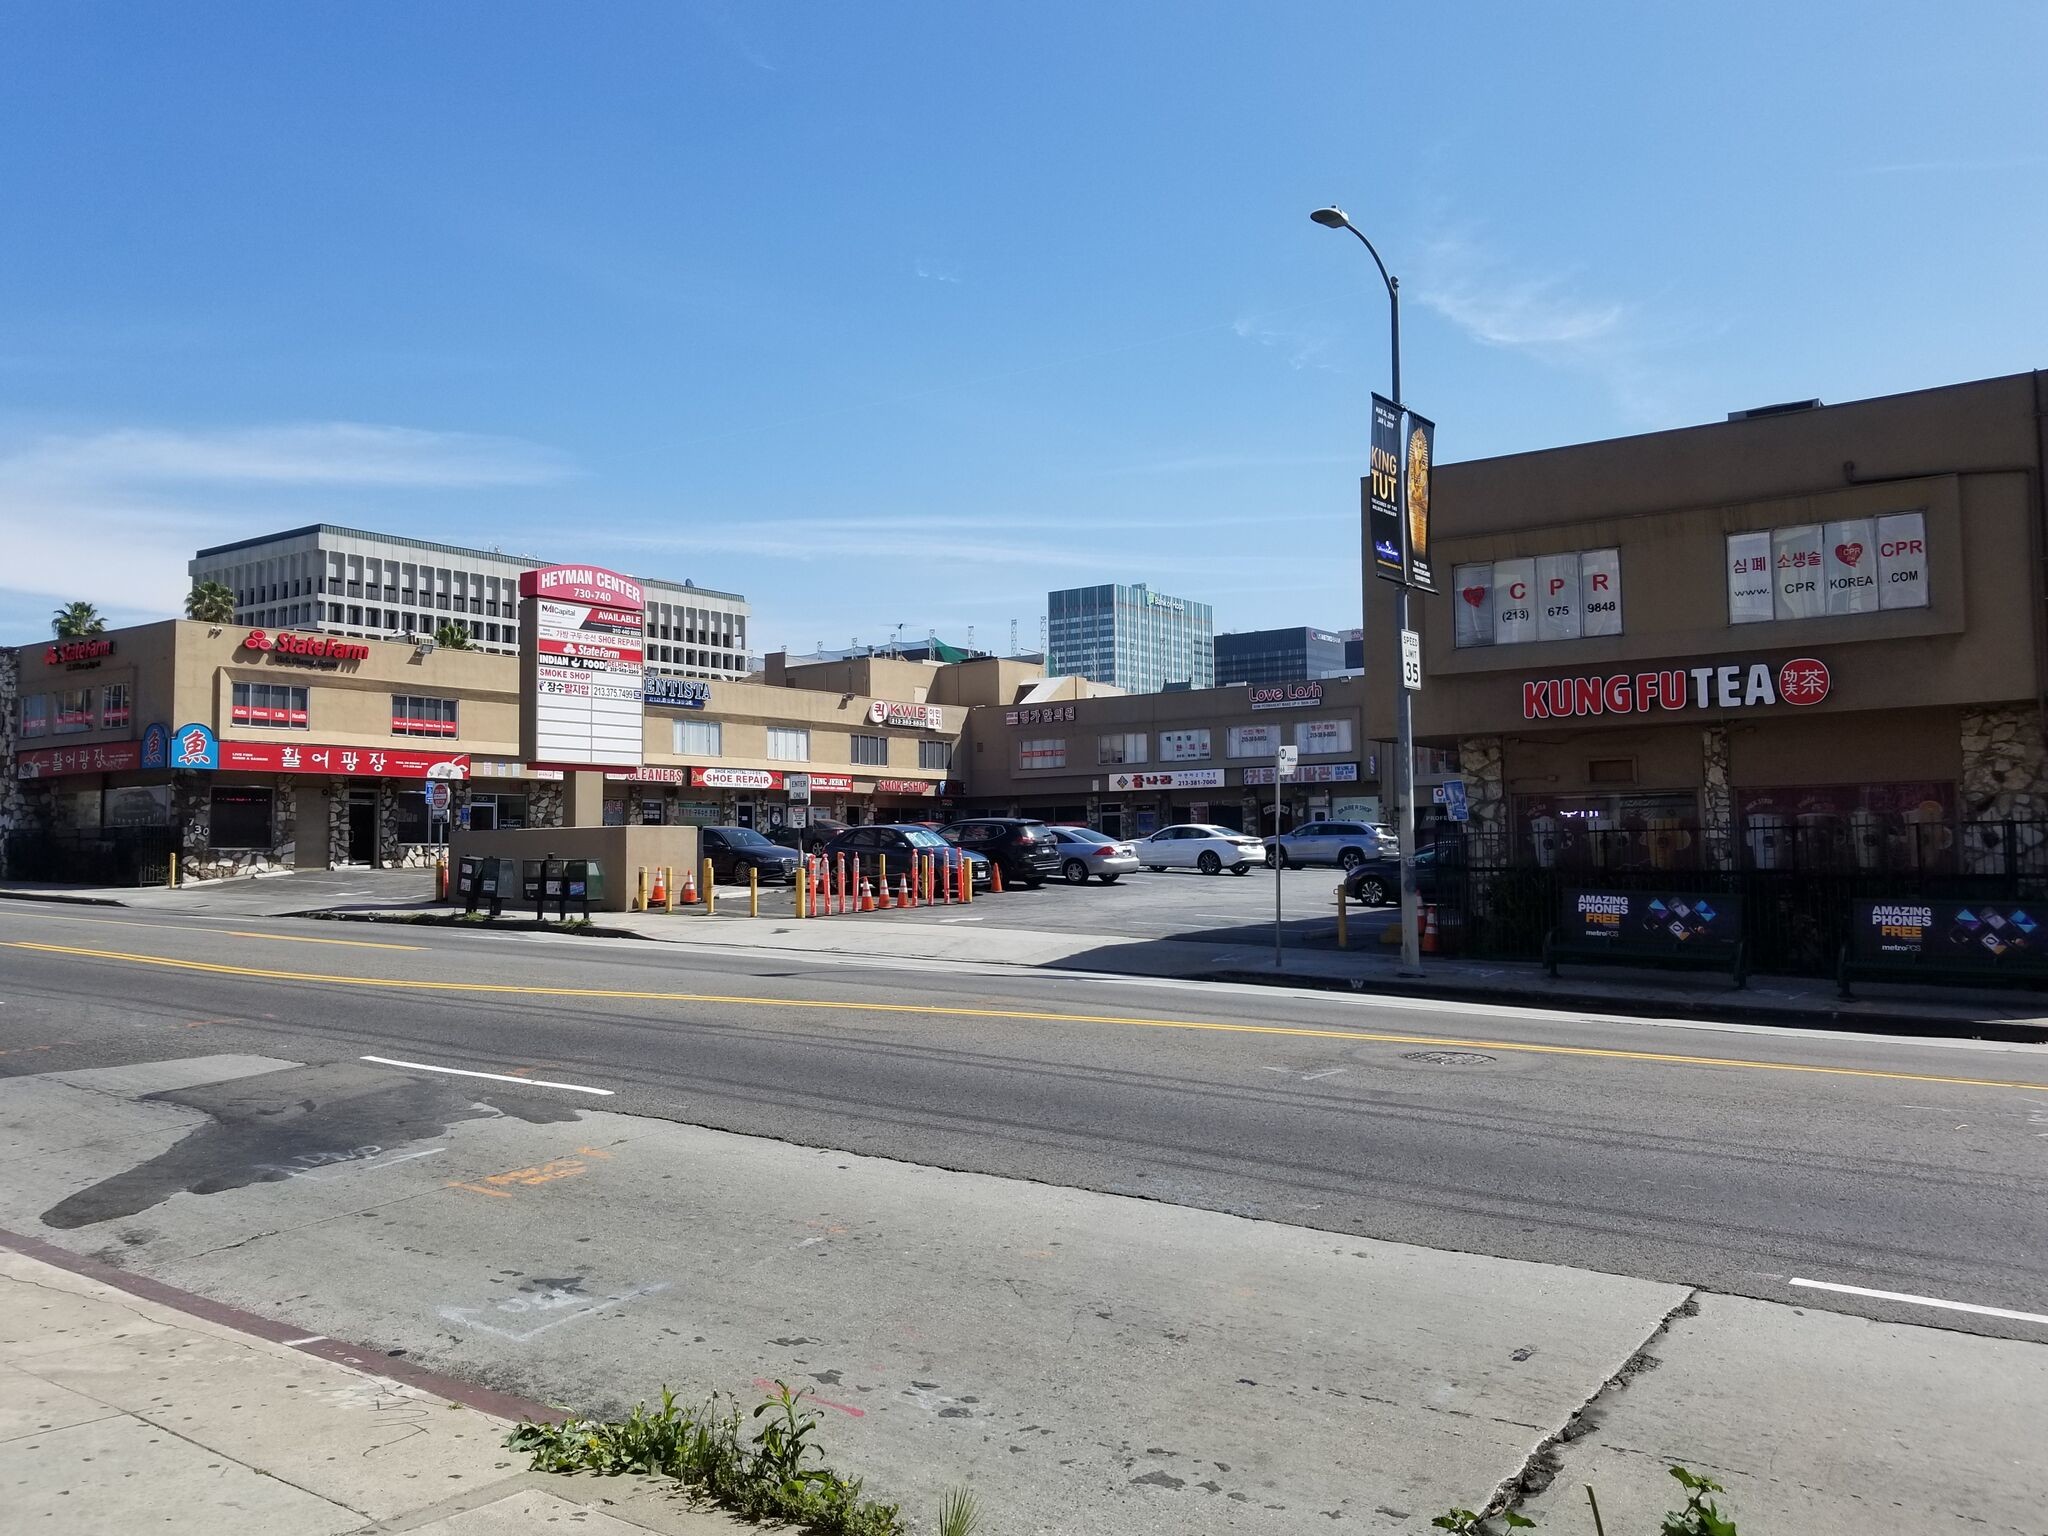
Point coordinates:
pixel 1342 843
pixel 1195 845
pixel 891 850
pixel 735 850
pixel 1377 882
pixel 1085 852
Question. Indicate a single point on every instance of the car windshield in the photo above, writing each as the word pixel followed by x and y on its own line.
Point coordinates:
pixel 744 837
pixel 1082 835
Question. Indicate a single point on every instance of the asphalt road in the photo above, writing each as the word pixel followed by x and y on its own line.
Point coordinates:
pixel 1729 1158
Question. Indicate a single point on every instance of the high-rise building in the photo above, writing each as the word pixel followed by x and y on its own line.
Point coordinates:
pixel 348 582
pixel 1258 656
pixel 1137 639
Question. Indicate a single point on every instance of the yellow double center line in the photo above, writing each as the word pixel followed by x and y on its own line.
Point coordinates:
pixel 1138 1021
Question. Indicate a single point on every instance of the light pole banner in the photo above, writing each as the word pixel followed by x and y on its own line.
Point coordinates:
pixel 1382 491
pixel 1420 464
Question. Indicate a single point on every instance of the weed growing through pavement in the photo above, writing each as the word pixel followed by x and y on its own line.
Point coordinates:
pixel 960 1514
pixel 1700 1517
pixel 777 1475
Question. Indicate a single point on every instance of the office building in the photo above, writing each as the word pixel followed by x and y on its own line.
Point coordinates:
pixel 1135 638
pixel 1279 655
pixel 382 587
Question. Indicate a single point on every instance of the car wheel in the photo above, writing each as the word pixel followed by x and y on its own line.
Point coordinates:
pixel 1208 863
pixel 1111 879
pixel 1372 890
pixel 1272 857
pixel 1350 859
pixel 1242 869
pixel 1075 871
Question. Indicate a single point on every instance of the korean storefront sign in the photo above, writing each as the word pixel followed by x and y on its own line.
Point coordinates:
pixel 1049 714
pixel 1736 685
pixel 346 762
pixel 923 717
pixel 1184 778
pixel 1308 773
pixel 195 746
pixel 1190 746
pixel 583 667
pixel 57 762
pixel 1815 570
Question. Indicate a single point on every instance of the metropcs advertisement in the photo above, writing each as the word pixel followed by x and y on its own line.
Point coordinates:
pixel 1733 685
pixel 584 668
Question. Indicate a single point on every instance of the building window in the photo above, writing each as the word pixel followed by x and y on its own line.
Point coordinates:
pixel 698 738
pixel 412 822
pixel 74 711
pixel 871 751
pixel 935 755
pixel 1047 753
pixel 1184 746
pixel 497 813
pixel 1123 747
pixel 1253 741
pixel 789 744
pixel 1818 570
pixel 240 817
pixel 114 707
pixel 1322 736
pixel 276 705
pixel 1548 597
pixel 412 715
pixel 35 714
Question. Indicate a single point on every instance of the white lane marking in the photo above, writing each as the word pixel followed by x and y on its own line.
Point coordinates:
pixel 496 1077
pixel 1331 1072
pixel 1923 1301
pixel 316 1338
pixel 328 1178
pixel 945 920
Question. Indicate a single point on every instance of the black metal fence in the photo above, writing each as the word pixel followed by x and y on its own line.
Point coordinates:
pixel 129 856
pixel 1497 896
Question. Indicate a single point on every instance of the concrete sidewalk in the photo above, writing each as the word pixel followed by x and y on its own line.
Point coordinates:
pixel 120 1411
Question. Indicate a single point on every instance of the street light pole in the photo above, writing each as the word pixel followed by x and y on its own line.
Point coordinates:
pixel 1404 702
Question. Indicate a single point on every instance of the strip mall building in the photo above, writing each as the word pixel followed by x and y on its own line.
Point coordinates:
pixel 1810 635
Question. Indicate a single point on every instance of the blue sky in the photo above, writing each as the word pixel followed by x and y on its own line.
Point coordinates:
pixel 904 313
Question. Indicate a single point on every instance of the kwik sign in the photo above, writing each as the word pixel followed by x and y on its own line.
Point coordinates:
pixel 1738 685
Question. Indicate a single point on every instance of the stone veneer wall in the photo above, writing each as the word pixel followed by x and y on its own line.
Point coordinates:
pixel 1479 764
pixel 2005 764
pixel 544 808
pixel 1717 798
pixel 13 804
pixel 192 810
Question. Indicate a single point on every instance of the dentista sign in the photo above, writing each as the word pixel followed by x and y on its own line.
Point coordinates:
pixel 1734 685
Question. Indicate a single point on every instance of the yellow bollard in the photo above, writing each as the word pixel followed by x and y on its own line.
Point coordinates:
pixel 710 891
pixel 803 885
pixel 640 890
pixel 668 888
pixel 174 869
pixel 966 880
pixel 1343 928
pixel 753 891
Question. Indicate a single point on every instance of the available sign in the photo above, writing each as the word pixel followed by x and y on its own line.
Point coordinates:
pixel 1969 932
pixel 1308 773
pixel 1740 685
pixel 582 667
pixel 737 778
pixel 1287 695
pixel 77 653
pixel 55 762
pixel 923 717
pixel 1183 778
pixel 1671 921
pixel 305 650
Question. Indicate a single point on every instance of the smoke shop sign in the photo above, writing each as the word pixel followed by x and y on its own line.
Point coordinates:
pixel 1735 685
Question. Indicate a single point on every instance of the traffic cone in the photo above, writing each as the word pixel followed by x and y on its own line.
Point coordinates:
pixel 1425 921
pixel 658 897
pixel 689 888
pixel 867 894
pixel 903 892
pixel 995 876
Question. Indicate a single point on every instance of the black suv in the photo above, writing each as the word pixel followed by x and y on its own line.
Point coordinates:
pixel 1023 849
pixel 810 837
pixel 735 850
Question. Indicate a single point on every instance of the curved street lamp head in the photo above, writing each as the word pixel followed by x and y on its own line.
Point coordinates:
pixel 1331 217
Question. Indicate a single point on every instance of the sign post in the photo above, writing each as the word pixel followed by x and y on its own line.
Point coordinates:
pixel 1284 759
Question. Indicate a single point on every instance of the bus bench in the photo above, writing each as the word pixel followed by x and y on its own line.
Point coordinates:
pixel 1973 943
pixel 1675 930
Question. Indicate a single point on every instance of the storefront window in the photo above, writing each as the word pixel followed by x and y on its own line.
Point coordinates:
pixel 114 709
pixel 789 744
pixel 1900 827
pixel 240 817
pixel 1322 736
pixel 276 705
pixel 1638 831
pixel 1814 570
pixel 1123 747
pixel 412 822
pixel 936 755
pixel 74 711
pixel 497 813
pixel 871 751
pixel 412 715
pixel 1047 753
pixel 699 738
pixel 35 714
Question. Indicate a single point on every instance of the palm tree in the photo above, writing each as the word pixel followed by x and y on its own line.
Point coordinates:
pixel 451 636
pixel 74 621
pixel 210 603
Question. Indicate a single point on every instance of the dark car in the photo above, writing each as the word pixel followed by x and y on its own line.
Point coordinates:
pixel 891 849
pixel 1377 882
pixel 1022 847
pixel 735 850
pixel 810 837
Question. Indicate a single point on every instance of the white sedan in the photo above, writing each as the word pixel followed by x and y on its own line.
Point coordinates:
pixel 1195 846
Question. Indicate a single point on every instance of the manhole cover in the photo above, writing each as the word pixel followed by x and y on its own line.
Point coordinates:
pixel 1446 1058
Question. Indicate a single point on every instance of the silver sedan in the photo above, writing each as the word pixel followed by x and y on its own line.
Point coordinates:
pixel 1085 852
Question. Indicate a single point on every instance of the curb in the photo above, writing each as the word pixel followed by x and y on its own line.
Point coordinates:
pixel 500 1405
pixel 63 897
pixel 453 920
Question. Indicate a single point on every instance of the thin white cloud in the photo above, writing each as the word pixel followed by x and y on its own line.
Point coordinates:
pixel 321 453
pixel 936 271
pixel 1302 346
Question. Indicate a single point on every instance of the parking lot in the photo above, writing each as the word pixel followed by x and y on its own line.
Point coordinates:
pixel 1215 909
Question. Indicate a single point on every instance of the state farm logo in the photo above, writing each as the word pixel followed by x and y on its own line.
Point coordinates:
pixel 257 640
pixel 307 650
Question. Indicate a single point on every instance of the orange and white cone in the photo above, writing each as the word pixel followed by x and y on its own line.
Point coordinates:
pixel 867 894
pixel 689 888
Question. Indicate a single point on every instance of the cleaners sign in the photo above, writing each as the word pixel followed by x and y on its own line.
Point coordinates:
pixel 1740 685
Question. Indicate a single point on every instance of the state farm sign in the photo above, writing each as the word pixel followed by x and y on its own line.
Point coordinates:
pixel 311 650
pixel 1738 685
pixel 924 717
